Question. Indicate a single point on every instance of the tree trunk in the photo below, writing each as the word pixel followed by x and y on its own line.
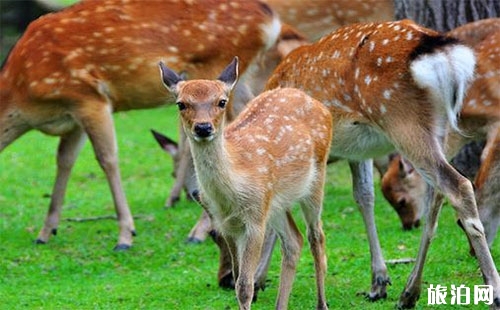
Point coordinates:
pixel 444 15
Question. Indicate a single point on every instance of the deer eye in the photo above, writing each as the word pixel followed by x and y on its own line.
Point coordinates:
pixel 181 105
pixel 222 103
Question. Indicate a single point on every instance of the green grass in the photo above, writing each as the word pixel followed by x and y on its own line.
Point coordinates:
pixel 78 269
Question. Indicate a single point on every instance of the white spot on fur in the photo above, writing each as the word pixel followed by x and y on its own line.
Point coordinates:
pixel 383 109
pixel 387 94
pixel 371 46
pixel 49 81
pixel 262 169
pixel 368 79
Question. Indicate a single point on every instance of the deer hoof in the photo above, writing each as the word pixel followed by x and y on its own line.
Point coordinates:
pixel 171 201
pixel 373 296
pixel 227 281
pixel 194 240
pixel 122 247
pixel 376 296
pixel 407 300
pixel 40 241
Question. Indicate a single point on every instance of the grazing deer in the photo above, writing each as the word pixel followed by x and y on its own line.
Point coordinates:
pixel 252 170
pixel 479 120
pixel 393 85
pixel 72 69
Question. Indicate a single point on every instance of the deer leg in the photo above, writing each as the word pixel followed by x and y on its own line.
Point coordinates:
pixel 460 192
pixel 68 150
pixel 248 254
pixel 265 260
pixel 181 170
pixel 100 128
pixel 462 198
pixel 411 292
pixel 311 208
pixel 362 177
pixel 291 245
pixel 488 187
pixel 225 273
pixel 201 229
pixel 489 212
pixel 228 265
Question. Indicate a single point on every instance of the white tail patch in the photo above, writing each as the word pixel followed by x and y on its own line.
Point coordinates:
pixel 271 31
pixel 446 74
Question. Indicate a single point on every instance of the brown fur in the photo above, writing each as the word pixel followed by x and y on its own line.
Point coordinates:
pixel 479 119
pixel 250 173
pixel 72 69
pixel 319 17
pixel 387 85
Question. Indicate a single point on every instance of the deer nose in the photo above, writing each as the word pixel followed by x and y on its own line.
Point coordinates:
pixel 203 130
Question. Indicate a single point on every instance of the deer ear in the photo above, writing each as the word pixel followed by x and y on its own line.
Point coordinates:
pixel 405 167
pixel 169 77
pixel 167 144
pixel 230 74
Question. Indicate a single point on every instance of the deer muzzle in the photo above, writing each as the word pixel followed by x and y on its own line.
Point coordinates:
pixel 203 131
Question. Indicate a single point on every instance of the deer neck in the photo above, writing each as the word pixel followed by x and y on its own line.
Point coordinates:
pixel 211 160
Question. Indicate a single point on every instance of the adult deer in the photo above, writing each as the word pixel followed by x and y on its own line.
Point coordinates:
pixel 393 85
pixel 251 171
pixel 479 120
pixel 320 17
pixel 72 69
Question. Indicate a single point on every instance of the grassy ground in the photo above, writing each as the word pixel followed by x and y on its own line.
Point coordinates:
pixel 77 269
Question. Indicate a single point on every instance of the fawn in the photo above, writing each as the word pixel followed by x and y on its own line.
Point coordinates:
pixel 252 170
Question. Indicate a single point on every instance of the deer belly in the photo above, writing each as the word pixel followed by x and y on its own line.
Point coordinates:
pixel 358 141
pixel 56 127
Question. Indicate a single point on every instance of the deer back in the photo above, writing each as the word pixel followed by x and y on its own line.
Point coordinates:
pixel 380 75
pixel 359 68
pixel 111 48
pixel 319 17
